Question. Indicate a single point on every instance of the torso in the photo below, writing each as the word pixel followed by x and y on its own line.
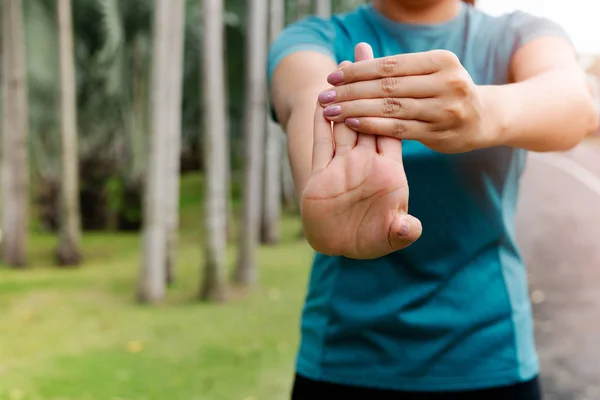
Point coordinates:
pixel 451 311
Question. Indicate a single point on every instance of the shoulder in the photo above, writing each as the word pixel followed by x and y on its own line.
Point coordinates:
pixel 499 37
pixel 516 28
pixel 325 35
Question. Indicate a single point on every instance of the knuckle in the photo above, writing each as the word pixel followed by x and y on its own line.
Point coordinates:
pixel 456 112
pixel 446 58
pixel 391 107
pixel 388 85
pixel 387 65
pixel 458 84
pixel 345 92
pixel 398 129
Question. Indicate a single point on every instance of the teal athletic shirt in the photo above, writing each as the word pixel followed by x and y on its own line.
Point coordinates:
pixel 451 311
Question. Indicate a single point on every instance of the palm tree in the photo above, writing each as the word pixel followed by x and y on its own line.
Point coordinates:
pixel 174 131
pixel 167 34
pixel 215 153
pixel 15 167
pixel 254 134
pixel 271 213
pixel 68 252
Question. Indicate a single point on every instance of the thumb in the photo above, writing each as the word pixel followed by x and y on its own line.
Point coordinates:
pixel 404 231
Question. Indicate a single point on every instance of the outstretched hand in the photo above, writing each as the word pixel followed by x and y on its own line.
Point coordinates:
pixel 355 203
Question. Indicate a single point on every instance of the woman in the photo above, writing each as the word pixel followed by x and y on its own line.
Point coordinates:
pixel 432 304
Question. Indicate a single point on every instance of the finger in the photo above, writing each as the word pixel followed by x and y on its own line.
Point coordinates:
pixel 390 148
pixel 391 127
pixel 344 63
pixel 363 51
pixel 404 231
pixel 323 147
pixel 428 110
pixel 410 64
pixel 345 139
pixel 416 87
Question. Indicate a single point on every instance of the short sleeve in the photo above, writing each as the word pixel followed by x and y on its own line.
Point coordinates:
pixel 526 27
pixel 312 33
pixel 515 30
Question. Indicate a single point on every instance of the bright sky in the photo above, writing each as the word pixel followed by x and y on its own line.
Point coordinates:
pixel 580 18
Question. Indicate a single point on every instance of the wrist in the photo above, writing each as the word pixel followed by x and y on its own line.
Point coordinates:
pixel 493 120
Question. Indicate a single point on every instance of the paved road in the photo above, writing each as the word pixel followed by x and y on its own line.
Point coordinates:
pixel 558 226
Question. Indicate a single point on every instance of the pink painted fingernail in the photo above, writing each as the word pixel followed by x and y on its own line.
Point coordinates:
pixel 336 78
pixel 404 228
pixel 352 122
pixel 327 97
pixel 332 111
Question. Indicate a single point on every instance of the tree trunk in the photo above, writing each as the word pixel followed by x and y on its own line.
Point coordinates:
pixel 15 167
pixel 323 8
pixel 231 215
pixel 175 109
pixel 303 8
pixel 287 181
pixel 215 157
pixel 151 286
pixel 68 251
pixel 271 213
pixel 254 125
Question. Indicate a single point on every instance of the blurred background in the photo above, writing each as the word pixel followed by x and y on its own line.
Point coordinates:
pixel 151 244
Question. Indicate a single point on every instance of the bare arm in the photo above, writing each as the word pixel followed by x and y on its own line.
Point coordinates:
pixel 296 83
pixel 549 107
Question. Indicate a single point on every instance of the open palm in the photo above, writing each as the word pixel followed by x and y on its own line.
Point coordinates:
pixel 355 202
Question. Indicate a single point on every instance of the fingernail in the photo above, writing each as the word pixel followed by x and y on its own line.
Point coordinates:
pixel 404 228
pixel 352 122
pixel 332 111
pixel 327 97
pixel 336 77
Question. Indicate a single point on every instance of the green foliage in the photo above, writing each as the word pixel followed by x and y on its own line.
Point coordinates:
pixel 113 55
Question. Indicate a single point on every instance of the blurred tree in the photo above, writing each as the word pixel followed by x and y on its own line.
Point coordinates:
pixel 68 251
pixel 176 67
pixel 271 212
pixel 288 191
pixel 323 8
pixel 341 6
pixel 165 81
pixel 15 167
pixel 254 135
pixel 216 165
pixel 303 8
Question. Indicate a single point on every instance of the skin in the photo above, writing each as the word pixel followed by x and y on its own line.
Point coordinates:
pixel 427 97
pixel 358 189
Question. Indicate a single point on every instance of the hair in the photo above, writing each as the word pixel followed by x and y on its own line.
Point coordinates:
pixel 471 2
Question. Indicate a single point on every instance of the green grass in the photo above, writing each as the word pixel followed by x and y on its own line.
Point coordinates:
pixel 78 334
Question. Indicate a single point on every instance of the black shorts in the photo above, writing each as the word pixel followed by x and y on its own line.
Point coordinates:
pixel 308 389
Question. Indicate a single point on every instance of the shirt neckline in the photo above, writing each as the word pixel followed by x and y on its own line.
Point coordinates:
pixel 396 27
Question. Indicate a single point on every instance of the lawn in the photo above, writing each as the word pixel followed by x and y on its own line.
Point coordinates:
pixel 79 335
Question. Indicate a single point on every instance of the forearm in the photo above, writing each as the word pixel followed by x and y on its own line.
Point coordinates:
pixel 300 140
pixel 553 111
pixel 297 82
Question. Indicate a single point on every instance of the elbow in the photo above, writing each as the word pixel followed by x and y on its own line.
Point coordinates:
pixel 589 120
pixel 594 120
